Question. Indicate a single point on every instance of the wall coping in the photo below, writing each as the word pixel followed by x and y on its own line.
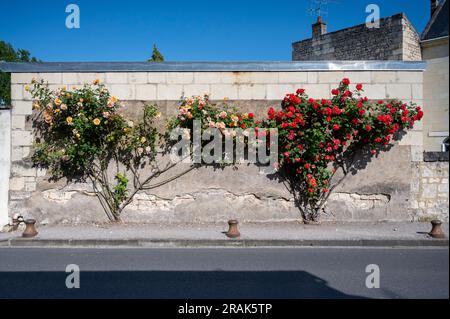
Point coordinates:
pixel 435 156
pixel 279 66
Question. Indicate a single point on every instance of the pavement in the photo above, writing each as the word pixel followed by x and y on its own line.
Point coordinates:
pixel 231 273
pixel 387 234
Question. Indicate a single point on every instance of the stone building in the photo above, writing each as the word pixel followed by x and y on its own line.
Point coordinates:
pixel 436 77
pixel 394 39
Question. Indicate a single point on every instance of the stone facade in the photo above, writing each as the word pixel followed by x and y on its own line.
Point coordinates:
pixel 430 190
pixel 382 191
pixel 395 39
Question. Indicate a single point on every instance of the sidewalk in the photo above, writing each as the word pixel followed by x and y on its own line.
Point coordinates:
pixel 383 234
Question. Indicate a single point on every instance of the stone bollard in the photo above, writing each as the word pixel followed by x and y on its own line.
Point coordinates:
pixel 30 230
pixel 436 231
pixel 233 231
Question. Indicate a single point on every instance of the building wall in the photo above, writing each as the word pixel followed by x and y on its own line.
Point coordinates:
pixel 396 39
pixel 382 191
pixel 436 93
pixel 5 160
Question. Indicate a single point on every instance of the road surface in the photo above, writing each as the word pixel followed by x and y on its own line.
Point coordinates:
pixel 225 272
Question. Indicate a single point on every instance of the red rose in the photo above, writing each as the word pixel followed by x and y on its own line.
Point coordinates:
pixel 286 154
pixel 359 86
pixel 335 92
pixel 336 127
pixel 362 112
pixel 345 81
pixel 307 166
pixel 368 128
pixel 300 91
pixel 250 115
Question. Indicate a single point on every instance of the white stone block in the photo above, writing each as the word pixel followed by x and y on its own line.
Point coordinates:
pixel 332 77
pixel 88 78
pixel 236 77
pixel 264 77
pixel 146 92
pixel 297 78
pixel 278 91
pixel 17 183
pixel 399 91
pixel 196 89
pixel 313 77
pixel 157 77
pixel 23 78
pixel 416 153
pixel 317 91
pixel 410 77
pixel 171 92
pixel 375 91
pixel 221 91
pixel 70 78
pixel 412 138
pixel 116 78
pixel 417 91
pixel 18 122
pixel 21 171
pixel 379 77
pixel 51 78
pixel 123 91
pixel 359 77
pixel 21 107
pixel 252 92
pixel 137 77
pixel 16 92
pixel 180 77
pixel 207 77
pixel 21 138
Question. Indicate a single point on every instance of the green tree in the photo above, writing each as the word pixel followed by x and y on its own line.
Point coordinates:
pixel 8 54
pixel 156 55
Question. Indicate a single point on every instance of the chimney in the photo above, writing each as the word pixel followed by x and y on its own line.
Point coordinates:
pixel 319 28
pixel 434 6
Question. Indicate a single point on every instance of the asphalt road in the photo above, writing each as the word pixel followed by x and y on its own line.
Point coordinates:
pixel 225 273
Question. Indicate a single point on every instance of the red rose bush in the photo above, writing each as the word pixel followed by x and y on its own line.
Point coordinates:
pixel 319 137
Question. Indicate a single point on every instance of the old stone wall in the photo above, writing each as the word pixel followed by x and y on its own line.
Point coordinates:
pixel 382 191
pixel 395 39
pixel 5 161
pixel 430 188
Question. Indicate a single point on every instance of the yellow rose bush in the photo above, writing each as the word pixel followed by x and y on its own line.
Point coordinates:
pixel 80 134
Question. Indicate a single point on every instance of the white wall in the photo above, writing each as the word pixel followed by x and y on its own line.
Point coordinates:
pixel 5 155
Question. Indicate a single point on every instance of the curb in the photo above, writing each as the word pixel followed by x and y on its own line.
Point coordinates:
pixel 169 243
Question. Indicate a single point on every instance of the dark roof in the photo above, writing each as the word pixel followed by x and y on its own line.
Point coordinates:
pixel 437 27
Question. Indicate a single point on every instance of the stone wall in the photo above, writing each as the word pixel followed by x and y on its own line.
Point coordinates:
pixel 5 161
pixel 382 191
pixel 430 189
pixel 395 39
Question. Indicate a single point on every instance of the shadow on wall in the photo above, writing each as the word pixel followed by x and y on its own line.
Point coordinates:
pixel 170 284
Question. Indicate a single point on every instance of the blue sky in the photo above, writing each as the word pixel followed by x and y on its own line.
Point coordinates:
pixel 189 30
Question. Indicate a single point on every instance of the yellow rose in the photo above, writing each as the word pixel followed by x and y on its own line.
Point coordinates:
pixel 58 101
pixel 77 135
pixel 69 120
pixel 96 82
pixel 27 88
pixel 96 122
pixel 143 140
